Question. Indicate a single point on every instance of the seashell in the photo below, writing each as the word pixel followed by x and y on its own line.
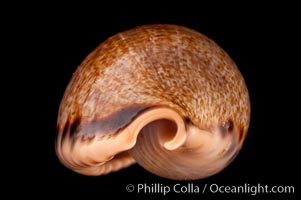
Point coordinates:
pixel 164 96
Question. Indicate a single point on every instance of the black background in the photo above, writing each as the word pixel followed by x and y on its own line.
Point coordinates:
pixel 260 39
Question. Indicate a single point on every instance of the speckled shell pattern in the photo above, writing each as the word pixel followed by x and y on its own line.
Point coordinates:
pixel 155 65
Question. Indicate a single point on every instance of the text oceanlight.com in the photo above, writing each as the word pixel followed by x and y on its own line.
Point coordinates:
pixel 159 188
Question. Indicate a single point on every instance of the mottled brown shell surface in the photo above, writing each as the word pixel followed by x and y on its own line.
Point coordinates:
pixel 144 88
